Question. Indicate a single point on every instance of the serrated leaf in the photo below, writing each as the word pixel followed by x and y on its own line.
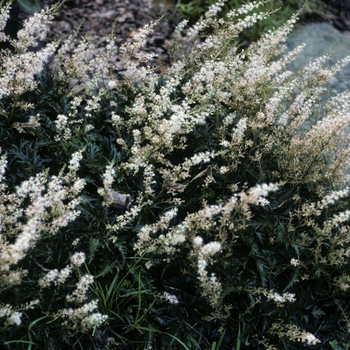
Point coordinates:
pixel 195 181
pixel 316 312
pixel 94 244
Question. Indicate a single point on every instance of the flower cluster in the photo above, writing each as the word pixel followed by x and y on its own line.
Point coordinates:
pixel 41 204
pixel 294 333
pixel 59 277
pixel 13 317
pixel 171 298
pixel 212 288
pixel 163 243
pixel 280 299
pixel 62 125
pixel 79 294
pixel 83 318
pixel 18 70
pixel 108 179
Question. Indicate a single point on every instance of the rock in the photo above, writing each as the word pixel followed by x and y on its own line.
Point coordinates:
pixel 322 39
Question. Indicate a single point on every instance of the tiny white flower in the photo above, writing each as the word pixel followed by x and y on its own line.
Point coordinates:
pixel 171 298
pixel 78 259
pixel 210 248
pixel 14 319
pixel 295 262
pixel 309 338
pixel 197 241
pixel 111 84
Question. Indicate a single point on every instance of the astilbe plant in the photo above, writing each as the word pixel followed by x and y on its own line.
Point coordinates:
pixel 203 206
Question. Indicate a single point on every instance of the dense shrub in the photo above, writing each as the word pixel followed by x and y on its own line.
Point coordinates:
pixel 198 209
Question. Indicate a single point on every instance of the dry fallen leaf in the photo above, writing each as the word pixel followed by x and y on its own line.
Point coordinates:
pixel 195 182
pixel 119 200
pixel 178 187
pixel 207 172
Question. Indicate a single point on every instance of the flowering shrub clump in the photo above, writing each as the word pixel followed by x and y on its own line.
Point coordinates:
pixel 202 208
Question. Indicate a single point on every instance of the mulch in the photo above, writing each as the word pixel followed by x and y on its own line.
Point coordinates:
pixel 97 18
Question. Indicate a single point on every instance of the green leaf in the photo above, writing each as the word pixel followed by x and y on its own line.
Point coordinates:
pixel 316 312
pixel 19 341
pixel 31 6
pixel 154 330
pixel 94 244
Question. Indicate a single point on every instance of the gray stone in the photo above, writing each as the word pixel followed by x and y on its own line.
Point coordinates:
pixel 322 39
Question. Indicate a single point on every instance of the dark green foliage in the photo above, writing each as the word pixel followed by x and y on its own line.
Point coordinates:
pixel 255 259
pixel 258 258
pixel 281 11
pixel 32 152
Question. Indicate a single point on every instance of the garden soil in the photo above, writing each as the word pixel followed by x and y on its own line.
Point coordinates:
pixel 97 18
